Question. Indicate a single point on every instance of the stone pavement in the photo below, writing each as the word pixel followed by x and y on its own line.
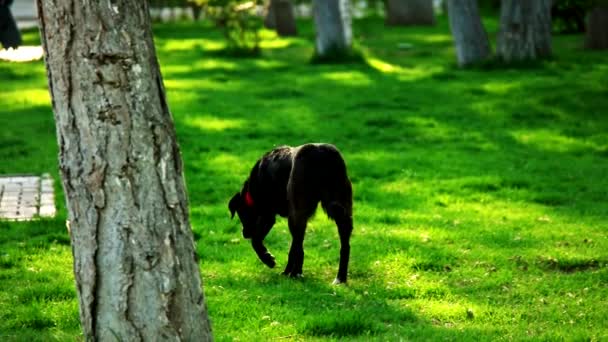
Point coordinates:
pixel 25 13
pixel 26 197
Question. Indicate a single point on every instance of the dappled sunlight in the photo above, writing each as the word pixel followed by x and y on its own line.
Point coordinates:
pixel 176 69
pixel 383 66
pixel 185 44
pixel 445 312
pixel 353 77
pixel 198 65
pixel 551 141
pixel 211 123
pixel 490 199
pixel 501 87
pixel 429 124
pixel 294 121
pixel 211 64
pixel 228 163
pixel 269 64
pixel 419 72
pixel 34 97
pixel 430 38
pixel 200 84
pixel 479 195
pixel 274 44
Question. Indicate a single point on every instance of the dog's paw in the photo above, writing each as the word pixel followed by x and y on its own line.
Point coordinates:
pixel 293 275
pixel 339 281
pixel 269 260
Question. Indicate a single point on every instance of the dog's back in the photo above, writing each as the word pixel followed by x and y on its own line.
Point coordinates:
pixel 316 171
pixel 318 174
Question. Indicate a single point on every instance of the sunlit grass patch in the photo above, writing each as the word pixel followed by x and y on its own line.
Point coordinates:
pixel 26 97
pixel 480 195
pixel 213 123
pixel 347 324
pixel 355 78
pixel 551 141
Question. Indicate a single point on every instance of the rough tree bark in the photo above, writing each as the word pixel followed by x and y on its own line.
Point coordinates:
pixel 525 30
pixel 409 12
pixel 470 37
pixel 597 28
pixel 333 26
pixel 135 263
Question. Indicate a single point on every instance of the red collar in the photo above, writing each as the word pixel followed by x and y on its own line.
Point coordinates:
pixel 248 199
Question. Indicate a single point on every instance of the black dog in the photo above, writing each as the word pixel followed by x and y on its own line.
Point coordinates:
pixel 290 182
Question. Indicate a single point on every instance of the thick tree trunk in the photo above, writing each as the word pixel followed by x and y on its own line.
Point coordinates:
pixel 470 37
pixel 135 263
pixel 333 26
pixel 285 19
pixel 525 30
pixel 409 12
pixel 597 28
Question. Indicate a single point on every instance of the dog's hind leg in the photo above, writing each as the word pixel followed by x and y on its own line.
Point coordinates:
pixel 345 228
pixel 340 210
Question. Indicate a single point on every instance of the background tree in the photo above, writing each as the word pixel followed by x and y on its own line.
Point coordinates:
pixel 597 27
pixel 281 16
pixel 568 16
pixel 410 12
pixel 525 30
pixel 470 37
pixel 135 264
pixel 269 17
pixel 239 22
pixel 333 28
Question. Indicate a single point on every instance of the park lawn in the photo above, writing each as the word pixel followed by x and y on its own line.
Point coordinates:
pixel 481 196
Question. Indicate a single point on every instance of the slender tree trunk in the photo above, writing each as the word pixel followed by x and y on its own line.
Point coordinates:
pixel 270 18
pixel 597 28
pixel 525 30
pixel 470 37
pixel 409 12
pixel 197 10
pixel 135 263
pixel 333 26
pixel 285 18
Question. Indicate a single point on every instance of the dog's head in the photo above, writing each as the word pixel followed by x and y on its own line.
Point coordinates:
pixel 255 225
pixel 242 204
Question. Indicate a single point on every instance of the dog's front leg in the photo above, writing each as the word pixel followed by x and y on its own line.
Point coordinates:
pixel 264 225
pixel 262 252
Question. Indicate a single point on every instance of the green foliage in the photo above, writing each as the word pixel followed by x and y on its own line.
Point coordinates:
pixel 239 23
pixel 568 16
pixel 480 196
pixel 169 3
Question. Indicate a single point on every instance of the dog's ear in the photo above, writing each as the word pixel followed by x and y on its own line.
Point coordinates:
pixel 235 203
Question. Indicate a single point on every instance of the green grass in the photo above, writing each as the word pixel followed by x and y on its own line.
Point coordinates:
pixel 481 196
